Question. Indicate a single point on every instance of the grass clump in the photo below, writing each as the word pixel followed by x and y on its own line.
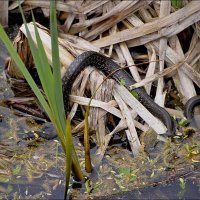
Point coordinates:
pixel 50 78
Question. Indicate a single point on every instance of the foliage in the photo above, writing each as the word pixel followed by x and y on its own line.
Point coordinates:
pixel 177 3
pixel 51 82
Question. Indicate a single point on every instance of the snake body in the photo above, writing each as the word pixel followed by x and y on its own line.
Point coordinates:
pixel 108 66
pixel 190 105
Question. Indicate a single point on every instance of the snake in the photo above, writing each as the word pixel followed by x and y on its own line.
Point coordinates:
pixel 108 67
pixel 190 105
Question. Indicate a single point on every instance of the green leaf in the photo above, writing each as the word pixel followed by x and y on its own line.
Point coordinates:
pixel 182 183
pixel 183 122
pixel 133 178
pixel 177 3
pixel 88 186
pixel 16 170
pixel 4 179
pixel 124 171
pixel 52 86
pixel 45 75
pixel 122 82
pixel 56 66
pixel 123 188
pixel 134 93
pixel 152 174
pixel 195 161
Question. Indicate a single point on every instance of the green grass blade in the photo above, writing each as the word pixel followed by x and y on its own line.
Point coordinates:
pixel 55 50
pixel 45 74
pixel 68 153
pixel 40 59
pixel 56 65
pixel 13 53
pixel 43 67
pixel 42 64
pixel 48 84
pixel 177 3
pixel 52 85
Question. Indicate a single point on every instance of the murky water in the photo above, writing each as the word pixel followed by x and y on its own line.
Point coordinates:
pixel 3 55
pixel 28 169
pixel 169 191
pixel 35 169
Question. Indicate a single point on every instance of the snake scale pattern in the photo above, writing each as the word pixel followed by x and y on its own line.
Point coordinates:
pixel 108 66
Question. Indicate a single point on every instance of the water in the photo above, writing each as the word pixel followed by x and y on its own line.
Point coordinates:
pixel 3 55
pixel 170 191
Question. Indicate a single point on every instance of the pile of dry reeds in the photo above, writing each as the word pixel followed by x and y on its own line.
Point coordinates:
pixel 129 32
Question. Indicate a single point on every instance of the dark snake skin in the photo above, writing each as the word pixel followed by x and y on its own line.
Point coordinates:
pixel 190 105
pixel 107 66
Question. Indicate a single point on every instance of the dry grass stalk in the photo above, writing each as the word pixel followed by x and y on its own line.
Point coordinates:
pixel 130 61
pixel 132 7
pixel 173 58
pixel 132 133
pixel 109 107
pixel 165 7
pixel 65 57
pixel 141 110
pixel 4 13
pixel 185 17
pixel 61 6
pixel 150 70
pixel 157 75
pixel 113 28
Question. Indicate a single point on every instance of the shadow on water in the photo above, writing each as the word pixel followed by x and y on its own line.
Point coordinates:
pixel 170 191
pixel 35 169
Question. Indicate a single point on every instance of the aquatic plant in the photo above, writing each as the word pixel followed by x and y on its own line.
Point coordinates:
pixel 50 77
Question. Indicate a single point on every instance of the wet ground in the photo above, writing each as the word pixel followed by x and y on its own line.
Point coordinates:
pixel 34 169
